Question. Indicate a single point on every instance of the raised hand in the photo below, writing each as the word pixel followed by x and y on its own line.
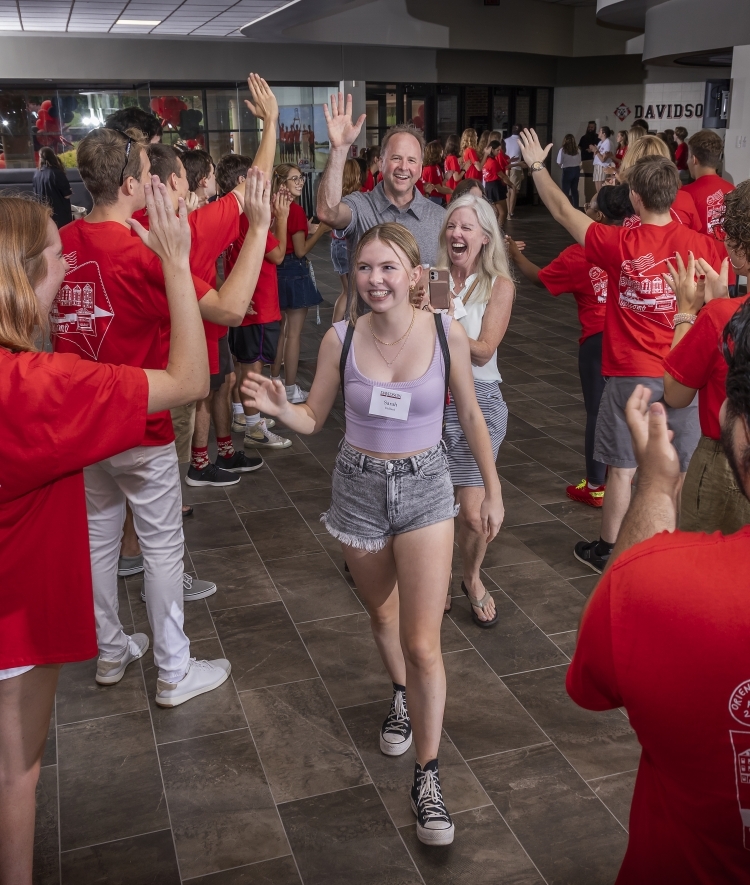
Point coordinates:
pixel 342 132
pixel 264 105
pixel 689 291
pixel 281 201
pixel 531 149
pixel 658 461
pixel 257 199
pixel 264 394
pixel 717 284
pixel 168 235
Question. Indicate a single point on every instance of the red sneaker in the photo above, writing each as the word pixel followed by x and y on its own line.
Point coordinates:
pixel 582 493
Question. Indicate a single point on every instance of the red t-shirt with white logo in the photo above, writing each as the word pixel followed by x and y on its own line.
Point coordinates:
pixel 470 156
pixel 698 361
pixel 265 301
pixel 708 194
pixel 665 637
pixel 638 328
pixel 88 412
pixel 112 306
pixel 571 272
pixel 490 170
pixel 683 210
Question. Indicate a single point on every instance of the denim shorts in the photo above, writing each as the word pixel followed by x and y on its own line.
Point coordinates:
pixel 374 499
pixel 339 256
pixel 296 286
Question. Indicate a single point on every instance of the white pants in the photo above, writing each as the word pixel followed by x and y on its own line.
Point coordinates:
pixel 148 477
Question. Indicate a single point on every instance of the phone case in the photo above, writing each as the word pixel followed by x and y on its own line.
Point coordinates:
pixel 439 288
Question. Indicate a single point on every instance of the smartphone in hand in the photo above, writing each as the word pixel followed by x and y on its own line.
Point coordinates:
pixel 439 288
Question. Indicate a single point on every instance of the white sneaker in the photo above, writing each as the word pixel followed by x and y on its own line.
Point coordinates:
pixel 238 422
pixel 111 672
pixel 262 438
pixel 202 676
pixel 295 394
pixel 192 588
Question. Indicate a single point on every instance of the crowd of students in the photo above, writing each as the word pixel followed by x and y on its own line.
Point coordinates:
pixel 141 326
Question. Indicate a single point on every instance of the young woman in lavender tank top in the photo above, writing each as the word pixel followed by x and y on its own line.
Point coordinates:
pixel 392 503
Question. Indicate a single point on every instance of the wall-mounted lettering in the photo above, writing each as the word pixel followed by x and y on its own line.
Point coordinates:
pixel 668 111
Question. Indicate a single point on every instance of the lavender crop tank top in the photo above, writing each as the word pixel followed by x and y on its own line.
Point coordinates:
pixel 375 433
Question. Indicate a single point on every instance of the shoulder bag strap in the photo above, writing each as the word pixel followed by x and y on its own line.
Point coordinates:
pixel 347 343
pixel 446 354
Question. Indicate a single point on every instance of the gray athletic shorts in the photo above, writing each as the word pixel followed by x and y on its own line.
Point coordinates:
pixel 373 499
pixel 613 445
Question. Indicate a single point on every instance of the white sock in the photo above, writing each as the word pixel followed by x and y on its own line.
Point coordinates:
pixel 252 420
pixel 238 409
pixel 591 485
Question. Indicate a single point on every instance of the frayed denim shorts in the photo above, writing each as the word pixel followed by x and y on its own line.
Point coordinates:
pixel 374 499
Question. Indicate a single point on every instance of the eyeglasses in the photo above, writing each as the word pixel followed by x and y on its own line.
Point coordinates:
pixel 127 152
pixel 297 179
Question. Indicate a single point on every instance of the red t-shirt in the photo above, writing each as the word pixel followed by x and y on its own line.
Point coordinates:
pixel 620 155
pixel 60 413
pixel 369 182
pixel 708 194
pixel 502 161
pixel 112 306
pixel 432 175
pixel 682 210
pixel 490 170
pixel 681 156
pixel 571 272
pixel 470 156
pixel 265 301
pixel 665 636
pixel 297 222
pixel 638 327
pixel 698 362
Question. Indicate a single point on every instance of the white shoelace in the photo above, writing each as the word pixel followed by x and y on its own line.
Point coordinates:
pixel 430 798
pixel 398 718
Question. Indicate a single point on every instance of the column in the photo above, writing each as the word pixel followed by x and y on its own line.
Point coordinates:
pixel 357 90
pixel 737 144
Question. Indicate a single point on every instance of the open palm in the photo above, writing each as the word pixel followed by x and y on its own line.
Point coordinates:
pixel 342 131
pixel 263 394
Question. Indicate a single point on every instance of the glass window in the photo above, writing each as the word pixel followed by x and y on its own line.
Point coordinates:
pixel 447 116
pixel 523 108
pixel 182 115
pixel 501 111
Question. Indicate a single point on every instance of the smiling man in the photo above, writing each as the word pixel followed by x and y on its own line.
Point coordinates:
pixel 395 198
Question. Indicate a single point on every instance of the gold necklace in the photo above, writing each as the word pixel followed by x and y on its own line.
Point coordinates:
pixel 405 337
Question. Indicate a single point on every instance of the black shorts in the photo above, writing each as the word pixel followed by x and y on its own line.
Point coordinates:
pixel 255 344
pixel 496 191
pixel 225 364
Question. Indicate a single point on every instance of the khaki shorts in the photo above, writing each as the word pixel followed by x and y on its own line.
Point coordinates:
pixel 516 176
pixel 711 500
pixel 600 172
pixel 183 424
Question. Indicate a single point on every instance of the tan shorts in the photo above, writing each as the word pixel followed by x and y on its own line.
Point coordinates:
pixel 516 176
pixel 711 500
pixel 600 172
pixel 183 424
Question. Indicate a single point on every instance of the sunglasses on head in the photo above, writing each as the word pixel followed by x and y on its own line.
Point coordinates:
pixel 127 151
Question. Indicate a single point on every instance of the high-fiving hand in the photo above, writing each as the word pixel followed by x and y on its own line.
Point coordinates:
pixel 257 199
pixel 342 132
pixel 531 150
pixel 264 105
pixel 168 234
pixel 264 394
pixel 658 461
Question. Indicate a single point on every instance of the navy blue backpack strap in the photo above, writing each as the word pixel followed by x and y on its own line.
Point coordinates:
pixel 345 347
pixel 446 352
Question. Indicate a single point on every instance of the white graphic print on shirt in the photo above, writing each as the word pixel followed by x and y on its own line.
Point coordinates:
pixel 714 210
pixel 739 709
pixel 598 279
pixel 643 290
pixel 82 312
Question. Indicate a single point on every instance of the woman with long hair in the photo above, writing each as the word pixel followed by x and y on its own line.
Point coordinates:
pixel 622 147
pixel 469 156
pixel 432 173
pixel 392 503
pixel 297 289
pixel 471 245
pixel 451 164
pixel 89 411
pixel 51 186
pixel 351 183
pixel 569 160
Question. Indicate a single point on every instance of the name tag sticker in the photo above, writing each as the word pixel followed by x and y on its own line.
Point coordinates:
pixel 390 403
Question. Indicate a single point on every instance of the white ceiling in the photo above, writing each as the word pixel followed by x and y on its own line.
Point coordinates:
pixel 210 18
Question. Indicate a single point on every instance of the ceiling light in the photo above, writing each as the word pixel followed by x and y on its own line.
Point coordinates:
pixel 137 21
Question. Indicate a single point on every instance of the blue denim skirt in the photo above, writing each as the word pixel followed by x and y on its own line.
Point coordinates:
pixel 296 287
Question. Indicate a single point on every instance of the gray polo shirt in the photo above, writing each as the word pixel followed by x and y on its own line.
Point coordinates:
pixel 422 217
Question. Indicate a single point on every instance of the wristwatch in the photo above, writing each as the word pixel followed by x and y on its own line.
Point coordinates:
pixel 536 166
pixel 683 318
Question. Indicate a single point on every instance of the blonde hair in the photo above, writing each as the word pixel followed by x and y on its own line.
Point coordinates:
pixel 468 139
pixel 493 257
pixel 394 235
pixel 23 239
pixel 352 178
pixel 646 146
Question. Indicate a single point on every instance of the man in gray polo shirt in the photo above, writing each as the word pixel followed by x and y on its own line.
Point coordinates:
pixel 395 198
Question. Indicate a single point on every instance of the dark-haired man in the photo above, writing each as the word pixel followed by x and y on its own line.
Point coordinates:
pixel 201 177
pixel 664 635
pixel 136 118
pixel 395 198
pixel 639 320
pixel 707 190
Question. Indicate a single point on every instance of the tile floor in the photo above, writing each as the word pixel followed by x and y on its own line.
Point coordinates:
pixel 276 777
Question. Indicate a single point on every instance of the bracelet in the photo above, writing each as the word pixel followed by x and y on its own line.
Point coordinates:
pixel 683 318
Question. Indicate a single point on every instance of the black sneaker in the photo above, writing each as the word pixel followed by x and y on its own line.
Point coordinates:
pixel 585 552
pixel 210 476
pixel 395 735
pixel 434 824
pixel 239 462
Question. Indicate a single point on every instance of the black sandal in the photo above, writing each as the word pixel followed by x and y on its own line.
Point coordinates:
pixel 187 511
pixel 480 604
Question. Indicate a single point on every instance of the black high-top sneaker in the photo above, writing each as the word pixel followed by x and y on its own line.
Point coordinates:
pixel 395 735
pixel 434 824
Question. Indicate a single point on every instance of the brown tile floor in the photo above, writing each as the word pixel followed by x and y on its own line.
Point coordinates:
pixel 277 777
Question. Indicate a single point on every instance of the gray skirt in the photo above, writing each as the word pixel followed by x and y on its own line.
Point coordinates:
pixel 463 468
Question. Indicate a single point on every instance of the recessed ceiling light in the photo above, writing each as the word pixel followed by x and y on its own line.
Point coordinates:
pixel 137 21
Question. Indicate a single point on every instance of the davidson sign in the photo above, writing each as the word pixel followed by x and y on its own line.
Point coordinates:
pixel 669 111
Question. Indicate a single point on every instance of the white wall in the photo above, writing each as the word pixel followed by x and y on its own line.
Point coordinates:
pixel 674 101
pixel 737 144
